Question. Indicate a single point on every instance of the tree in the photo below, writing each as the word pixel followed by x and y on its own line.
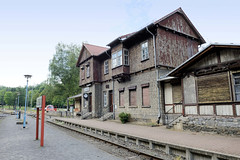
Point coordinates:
pixel 8 98
pixel 2 93
pixel 64 75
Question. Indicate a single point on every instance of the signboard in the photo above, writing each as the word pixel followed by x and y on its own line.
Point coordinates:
pixel 39 102
pixel 85 95
pixel 86 89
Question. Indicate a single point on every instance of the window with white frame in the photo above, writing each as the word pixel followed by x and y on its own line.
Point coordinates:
pixel 88 71
pixel 117 59
pixel 237 86
pixel 106 67
pixel 144 48
pixel 104 98
pixel 126 57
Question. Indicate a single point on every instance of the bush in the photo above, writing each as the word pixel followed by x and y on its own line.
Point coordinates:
pixel 124 117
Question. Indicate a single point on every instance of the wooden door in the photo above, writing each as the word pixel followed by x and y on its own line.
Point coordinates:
pixel 110 101
pixel 90 102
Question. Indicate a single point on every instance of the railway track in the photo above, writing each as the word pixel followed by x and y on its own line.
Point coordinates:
pixel 150 148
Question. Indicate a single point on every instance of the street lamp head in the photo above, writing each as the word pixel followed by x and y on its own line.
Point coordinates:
pixel 27 76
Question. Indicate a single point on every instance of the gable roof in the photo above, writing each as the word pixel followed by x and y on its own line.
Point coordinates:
pixel 121 38
pixel 199 55
pixel 154 24
pixel 94 50
pixel 180 11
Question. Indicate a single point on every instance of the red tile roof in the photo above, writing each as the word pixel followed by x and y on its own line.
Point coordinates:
pixel 95 50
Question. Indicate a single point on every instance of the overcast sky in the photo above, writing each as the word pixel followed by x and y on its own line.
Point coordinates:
pixel 30 29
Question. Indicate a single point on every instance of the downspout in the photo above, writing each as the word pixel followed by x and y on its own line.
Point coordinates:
pixel 113 100
pixel 157 73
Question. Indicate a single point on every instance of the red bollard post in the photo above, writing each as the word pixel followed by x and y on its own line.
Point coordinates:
pixel 37 123
pixel 42 120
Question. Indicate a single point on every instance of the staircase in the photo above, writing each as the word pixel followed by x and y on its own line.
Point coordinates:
pixel 87 115
pixel 107 116
pixel 177 123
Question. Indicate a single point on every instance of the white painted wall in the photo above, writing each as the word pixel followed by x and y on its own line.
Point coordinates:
pixel 168 93
pixel 190 109
pixel 224 110
pixel 178 108
pixel 206 109
pixel 238 110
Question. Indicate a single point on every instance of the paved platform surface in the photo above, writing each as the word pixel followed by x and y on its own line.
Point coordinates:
pixel 210 142
pixel 17 143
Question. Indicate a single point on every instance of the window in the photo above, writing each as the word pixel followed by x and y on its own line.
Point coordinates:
pixel 237 86
pixel 82 73
pixel 121 99
pixel 106 67
pixel 104 98
pixel 145 54
pixel 88 71
pixel 117 59
pixel 126 57
pixel 145 96
pixel 132 97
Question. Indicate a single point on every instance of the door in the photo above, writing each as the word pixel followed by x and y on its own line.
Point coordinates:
pixel 90 102
pixel 110 101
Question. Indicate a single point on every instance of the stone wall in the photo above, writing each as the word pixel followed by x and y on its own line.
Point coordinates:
pixel 139 112
pixel 219 125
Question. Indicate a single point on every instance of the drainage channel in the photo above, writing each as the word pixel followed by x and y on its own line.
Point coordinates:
pixel 150 148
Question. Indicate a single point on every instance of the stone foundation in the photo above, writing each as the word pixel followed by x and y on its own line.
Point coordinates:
pixel 219 125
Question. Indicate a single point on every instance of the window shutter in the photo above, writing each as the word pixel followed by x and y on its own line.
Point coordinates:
pixel 133 98
pixel 145 96
pixel 214 88
pixel 121 100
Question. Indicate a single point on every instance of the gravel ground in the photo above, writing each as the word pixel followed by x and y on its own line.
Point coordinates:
pixel 17 143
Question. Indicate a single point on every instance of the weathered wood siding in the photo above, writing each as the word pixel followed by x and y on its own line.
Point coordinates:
pixel 224 110
pixel 229 55
pixel 209 59
pixel 178 23
pixel 177 93
pixel 213 88
pixel 206 109
pixel 189 89
pixel 173 49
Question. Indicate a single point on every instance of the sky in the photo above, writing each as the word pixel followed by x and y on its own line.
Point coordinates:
pixel 31 29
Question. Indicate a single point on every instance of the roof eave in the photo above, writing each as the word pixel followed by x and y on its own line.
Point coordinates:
pixel 198 54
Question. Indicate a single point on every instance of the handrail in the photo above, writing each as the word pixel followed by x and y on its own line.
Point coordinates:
pixel 167 113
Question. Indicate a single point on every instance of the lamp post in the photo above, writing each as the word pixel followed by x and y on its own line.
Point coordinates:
pixel 25 109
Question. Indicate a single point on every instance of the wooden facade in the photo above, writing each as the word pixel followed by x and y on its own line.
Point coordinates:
pixel 209 83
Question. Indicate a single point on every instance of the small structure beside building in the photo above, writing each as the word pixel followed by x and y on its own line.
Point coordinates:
pixel 206 88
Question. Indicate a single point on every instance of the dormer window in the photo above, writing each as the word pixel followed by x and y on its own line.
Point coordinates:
pixel 144 51
pixel 117 59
